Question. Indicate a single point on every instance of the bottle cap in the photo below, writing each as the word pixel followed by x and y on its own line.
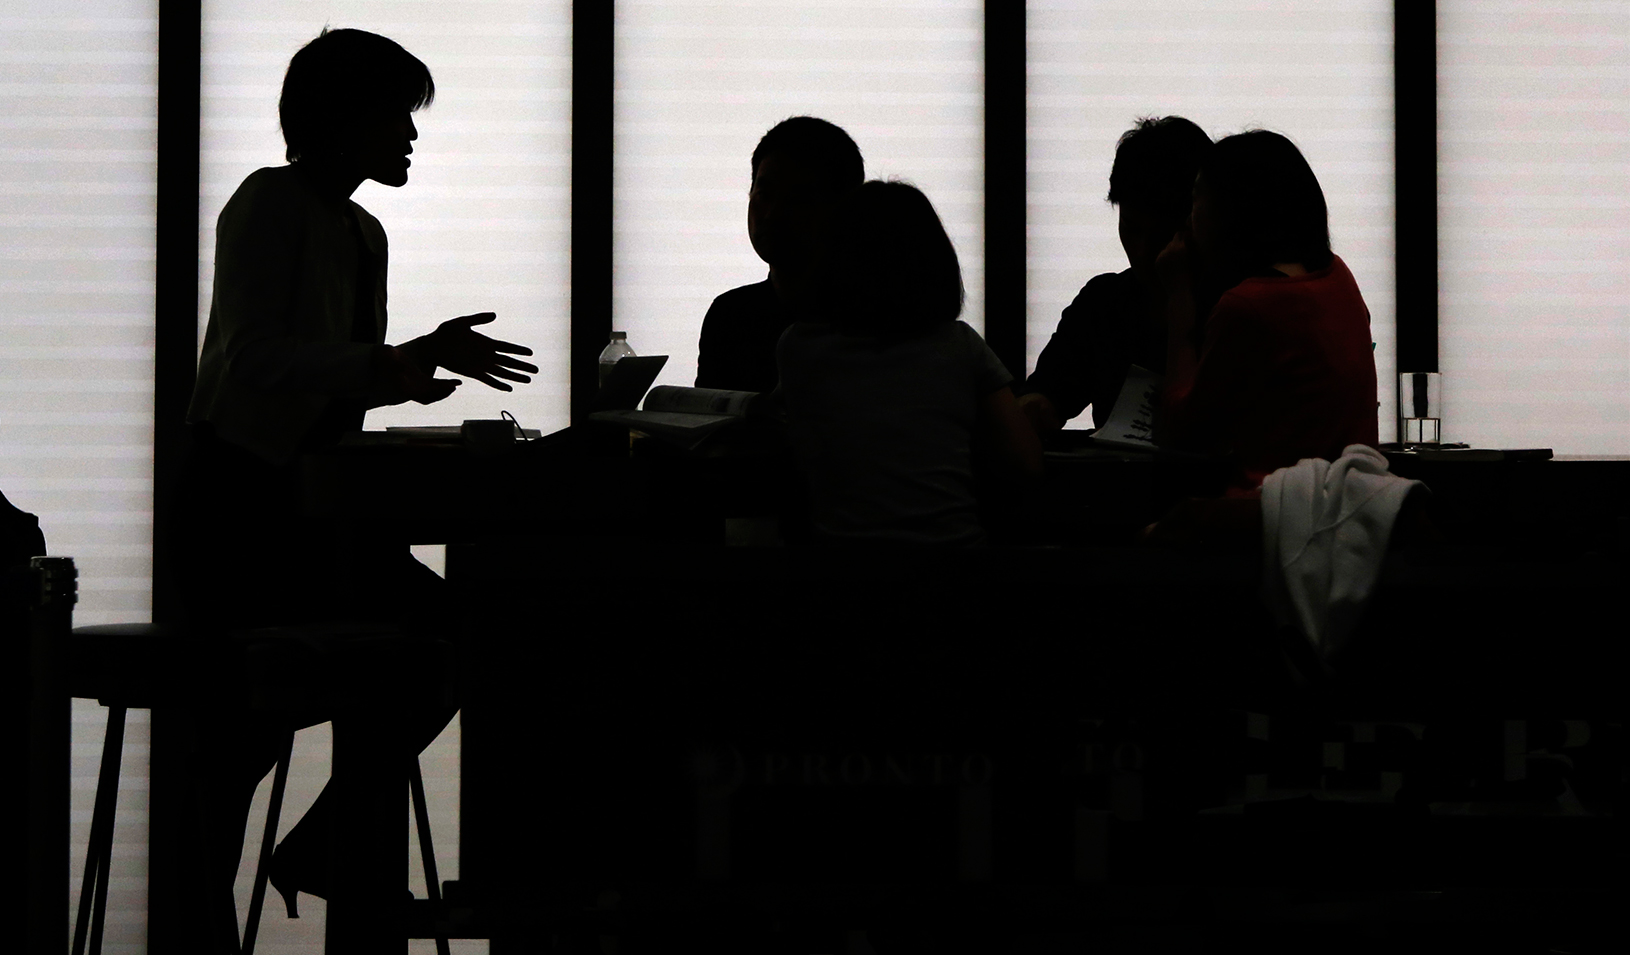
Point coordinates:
pixel 617 335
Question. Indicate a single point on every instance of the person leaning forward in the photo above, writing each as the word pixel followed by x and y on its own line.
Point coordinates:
pixel 1118 320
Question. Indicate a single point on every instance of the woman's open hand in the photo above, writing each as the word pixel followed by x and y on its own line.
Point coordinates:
pixel 459 348
pixel 397 377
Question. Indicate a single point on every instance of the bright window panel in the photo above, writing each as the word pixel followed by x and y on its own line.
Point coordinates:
pixel 1534 250
pixel 1319 72
pixel 484 221
pixel 697 85
pixel 78 106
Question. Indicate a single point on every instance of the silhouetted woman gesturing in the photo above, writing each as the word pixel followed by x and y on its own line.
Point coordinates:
pixel 293 357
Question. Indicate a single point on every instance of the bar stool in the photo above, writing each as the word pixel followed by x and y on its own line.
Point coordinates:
pixel 138 666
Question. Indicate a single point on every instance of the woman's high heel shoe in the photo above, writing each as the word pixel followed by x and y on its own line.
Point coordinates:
pixel 289 878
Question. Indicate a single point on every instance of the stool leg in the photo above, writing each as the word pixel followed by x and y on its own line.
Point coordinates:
pixel 93 890
pixel 421 815
pixel 268 841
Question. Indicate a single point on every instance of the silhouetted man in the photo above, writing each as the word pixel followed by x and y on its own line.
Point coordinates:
pixel 800 168
pixel 1117 319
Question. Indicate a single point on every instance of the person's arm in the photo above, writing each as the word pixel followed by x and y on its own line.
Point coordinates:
pixel 1060 387
pixel 1038 410
pixel 1011 440
pixel 708 348
pixel 1175 270
pixel 1201 391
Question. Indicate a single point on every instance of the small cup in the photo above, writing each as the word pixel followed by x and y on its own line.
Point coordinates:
pixel 1420 409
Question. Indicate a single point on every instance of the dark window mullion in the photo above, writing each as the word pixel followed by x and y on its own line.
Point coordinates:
pixel 1005 199
pixel 593 76
pixel 175 292
pixel 1416 223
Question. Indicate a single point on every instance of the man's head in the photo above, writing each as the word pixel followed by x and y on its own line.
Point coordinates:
pixel 1152 183
pixel 800 168
pixel 348 94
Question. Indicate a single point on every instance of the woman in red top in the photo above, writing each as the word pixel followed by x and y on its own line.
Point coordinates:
pixel 1281 367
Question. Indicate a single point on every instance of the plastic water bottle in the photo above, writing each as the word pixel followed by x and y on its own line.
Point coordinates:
pixel 613 353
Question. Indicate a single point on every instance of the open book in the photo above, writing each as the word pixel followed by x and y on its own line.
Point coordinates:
pixel 1131 422
pixel 682 415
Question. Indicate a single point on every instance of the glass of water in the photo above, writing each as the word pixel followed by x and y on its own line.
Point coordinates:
pixel 1420 409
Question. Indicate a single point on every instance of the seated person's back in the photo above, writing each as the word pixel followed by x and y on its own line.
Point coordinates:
pixel 801 168
pixel 884 428
pixel 1287 372
pixel 1284 369
pixel 887 396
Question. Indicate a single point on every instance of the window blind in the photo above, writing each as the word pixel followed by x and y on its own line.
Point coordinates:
pixel 1534 252
pixel 698 83
pixel 78 106
pixel 1319 72
pixel 482 225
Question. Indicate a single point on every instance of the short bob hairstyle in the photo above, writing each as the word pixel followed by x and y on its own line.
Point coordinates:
pixel 1155 165
pixel 1269 202
pixel 343 76
pixel 891 269
pixel 822 145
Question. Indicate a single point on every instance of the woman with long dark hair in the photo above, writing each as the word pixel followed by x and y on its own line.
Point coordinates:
pixel 1269 354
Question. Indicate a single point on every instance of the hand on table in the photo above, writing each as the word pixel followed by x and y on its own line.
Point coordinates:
pixel 459 348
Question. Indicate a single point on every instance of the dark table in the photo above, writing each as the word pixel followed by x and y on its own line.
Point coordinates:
pixel 612 638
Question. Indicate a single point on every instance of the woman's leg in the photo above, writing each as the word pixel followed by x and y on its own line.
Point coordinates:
pixel 409 675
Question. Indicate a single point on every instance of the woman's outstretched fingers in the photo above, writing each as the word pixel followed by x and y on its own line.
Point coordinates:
pixel 510 347
pixel 507 362
pixel 510 375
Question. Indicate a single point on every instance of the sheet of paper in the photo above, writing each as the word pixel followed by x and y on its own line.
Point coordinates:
pixel 1131 423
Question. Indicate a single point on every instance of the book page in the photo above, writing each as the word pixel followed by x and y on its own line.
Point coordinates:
pixel 1131 422
pixel 698 400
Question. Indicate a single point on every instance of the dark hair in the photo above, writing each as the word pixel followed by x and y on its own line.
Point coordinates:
pixel 1155 165
pixel 891 269
pixel 820 143
pixel 343 75
pixel 1269 201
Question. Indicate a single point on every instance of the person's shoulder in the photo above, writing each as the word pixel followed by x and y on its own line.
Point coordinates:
pixel 272 182
pixel 738 307
pixel 1106 285
pixel 274 191
pixel 1102 293
pixel 802 339
pixel 746 296
pixel 1269 288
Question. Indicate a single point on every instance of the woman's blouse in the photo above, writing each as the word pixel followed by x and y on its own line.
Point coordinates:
pixel 1287 372
pixel 884 429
